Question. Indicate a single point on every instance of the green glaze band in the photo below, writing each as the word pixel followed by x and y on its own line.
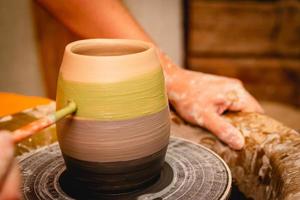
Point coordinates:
pixel 128 99
pixel 63 112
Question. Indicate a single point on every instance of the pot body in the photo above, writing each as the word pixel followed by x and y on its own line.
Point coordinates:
pixel 117 140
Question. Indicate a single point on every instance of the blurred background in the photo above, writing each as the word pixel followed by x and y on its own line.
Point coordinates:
pixel 255 41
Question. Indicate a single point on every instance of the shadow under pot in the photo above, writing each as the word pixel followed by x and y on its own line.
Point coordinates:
pixel 117 140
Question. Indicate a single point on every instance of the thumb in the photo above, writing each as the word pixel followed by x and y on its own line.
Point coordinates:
pixel 6 156
pixel 224 130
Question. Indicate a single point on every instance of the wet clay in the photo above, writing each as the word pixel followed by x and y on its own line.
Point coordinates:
pixel 111 141
pixel 117 140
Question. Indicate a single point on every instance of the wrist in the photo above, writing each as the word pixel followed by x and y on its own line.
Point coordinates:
pixel 170 69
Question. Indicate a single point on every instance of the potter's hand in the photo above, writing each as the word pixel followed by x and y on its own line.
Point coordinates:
pixel 202 98
pixel 9 174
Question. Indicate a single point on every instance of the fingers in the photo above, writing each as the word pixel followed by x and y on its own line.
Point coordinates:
pixel 224 130
pixel 9 172
pixel 246 103
pixel 6 156
pixel 253 104
pixel 11 187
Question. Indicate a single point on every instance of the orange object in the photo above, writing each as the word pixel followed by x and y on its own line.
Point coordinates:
pixel 12 103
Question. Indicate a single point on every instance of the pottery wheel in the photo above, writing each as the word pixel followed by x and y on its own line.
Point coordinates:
pixel 190 172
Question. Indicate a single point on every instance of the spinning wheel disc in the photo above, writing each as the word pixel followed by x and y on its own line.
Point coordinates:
pixel 190 172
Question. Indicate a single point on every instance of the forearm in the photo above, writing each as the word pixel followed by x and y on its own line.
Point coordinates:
pixel 96 18
pixel 103 19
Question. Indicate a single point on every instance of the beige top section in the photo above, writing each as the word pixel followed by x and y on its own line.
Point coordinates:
pixel 107 60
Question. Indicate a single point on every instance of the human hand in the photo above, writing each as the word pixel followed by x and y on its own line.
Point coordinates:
pixel 202 98
pixel 9 172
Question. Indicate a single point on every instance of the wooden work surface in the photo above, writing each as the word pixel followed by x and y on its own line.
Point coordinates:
pixel 267 168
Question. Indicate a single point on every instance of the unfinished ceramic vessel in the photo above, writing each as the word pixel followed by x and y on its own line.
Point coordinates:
pixel 117 140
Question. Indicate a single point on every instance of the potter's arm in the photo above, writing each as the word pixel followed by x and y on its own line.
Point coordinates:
pixel 96 18
pixel 199 98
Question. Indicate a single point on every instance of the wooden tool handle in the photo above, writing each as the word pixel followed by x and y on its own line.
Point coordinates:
pixel 36 126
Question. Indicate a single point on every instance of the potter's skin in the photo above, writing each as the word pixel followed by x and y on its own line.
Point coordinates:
pixel 202 98
pixel 199 98
pixel 9 172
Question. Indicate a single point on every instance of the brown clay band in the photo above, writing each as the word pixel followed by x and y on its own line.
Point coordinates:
pixel 111 141
pixel 115 177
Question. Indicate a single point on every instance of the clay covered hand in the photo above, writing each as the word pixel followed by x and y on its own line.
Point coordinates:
pixel 202 98
pixel 9 173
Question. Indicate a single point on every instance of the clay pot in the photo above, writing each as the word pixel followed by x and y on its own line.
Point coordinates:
pixel 117 140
